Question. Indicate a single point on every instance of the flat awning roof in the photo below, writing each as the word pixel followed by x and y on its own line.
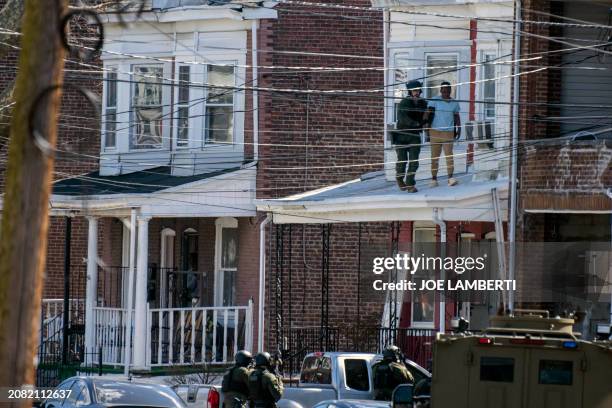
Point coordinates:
pixel 373 198
pixel 157 193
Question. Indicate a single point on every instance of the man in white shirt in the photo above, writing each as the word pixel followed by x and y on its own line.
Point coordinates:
pixel 445 129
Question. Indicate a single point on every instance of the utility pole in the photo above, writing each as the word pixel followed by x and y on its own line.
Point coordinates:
pixel 23 242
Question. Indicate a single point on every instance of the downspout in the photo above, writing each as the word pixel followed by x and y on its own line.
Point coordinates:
pixel 386 99
pixel 262 282
pixel 255 94
pixel 440 223
pixel 514 152
pixel 130 297
pixel 609 193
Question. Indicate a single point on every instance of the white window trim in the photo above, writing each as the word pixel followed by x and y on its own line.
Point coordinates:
pixel 220 223
pixel 109 69
pixel 192 118
pixel 205 142
pixel 421 324
pixel 165 103
pixel 418 51
pixel 483 53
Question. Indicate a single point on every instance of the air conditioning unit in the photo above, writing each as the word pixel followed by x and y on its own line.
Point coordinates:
pixel 481 132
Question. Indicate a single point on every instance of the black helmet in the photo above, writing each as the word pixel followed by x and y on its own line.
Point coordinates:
pixel 391 353
pixel 414 84
pixel 243 358
pixel 263 359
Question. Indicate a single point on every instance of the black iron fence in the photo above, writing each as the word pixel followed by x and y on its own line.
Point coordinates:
pixel 53 368
pixel 416 344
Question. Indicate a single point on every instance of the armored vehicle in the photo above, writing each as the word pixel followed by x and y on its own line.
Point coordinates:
pixel 528 360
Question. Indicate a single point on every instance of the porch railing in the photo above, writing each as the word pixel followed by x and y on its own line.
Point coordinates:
pixel 177 336
pixel 109 333
pixel 187 336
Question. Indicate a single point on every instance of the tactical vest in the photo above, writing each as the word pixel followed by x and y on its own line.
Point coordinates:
pixel 385 378
pixel 229 385
pixel 258 392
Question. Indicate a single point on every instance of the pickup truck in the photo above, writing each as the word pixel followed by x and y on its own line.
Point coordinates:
pixel 324 376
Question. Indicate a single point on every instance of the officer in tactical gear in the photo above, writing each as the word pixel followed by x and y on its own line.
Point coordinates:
pixel 265 388
pixel 235 384
pixel 389 373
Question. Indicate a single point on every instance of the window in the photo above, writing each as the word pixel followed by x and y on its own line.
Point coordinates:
pixel 227 261
pixel 182 107
pixel 497 369
pixel 147 109
pixel 220 105
pixel 356 374
pixel 316 370
pixel 110 111
pixel 554 372
pixel 402 76
pixel 440 68
pixel 488 86
pixel 423 302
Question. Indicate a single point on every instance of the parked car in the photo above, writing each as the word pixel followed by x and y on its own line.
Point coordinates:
pixel 97 392
pixel 338 376
pixel 353 404
pixel 324 377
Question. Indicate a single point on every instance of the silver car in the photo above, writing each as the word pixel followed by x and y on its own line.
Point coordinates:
pixel 94 392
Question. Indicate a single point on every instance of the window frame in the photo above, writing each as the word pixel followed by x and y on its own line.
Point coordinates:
pixel 427 91
pixel 111 69
pixel 483 61
pixel 165 107
pixel 220 224
pixel 422 324
pixel 416 51
pixel 207 104
pixel 178 104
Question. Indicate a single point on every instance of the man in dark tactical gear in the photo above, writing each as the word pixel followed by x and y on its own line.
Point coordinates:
pixel 235 384
pixel 407 136
pixel 389 373
pixel 265 388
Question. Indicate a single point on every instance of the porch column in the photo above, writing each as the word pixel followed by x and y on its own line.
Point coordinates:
pixel 91 290
pixel 140 307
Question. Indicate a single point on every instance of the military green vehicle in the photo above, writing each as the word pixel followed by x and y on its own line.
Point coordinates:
pixel 528 360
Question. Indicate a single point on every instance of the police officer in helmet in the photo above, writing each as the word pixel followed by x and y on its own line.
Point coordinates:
pixel 235 384
pixel 389 373
pixel 265 388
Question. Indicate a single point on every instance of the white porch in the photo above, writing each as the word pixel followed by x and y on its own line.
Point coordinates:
pixel 164 305
pixel 174 336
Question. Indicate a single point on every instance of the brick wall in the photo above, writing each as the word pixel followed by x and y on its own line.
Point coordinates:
pixel 319 121
pixel 554 175
pixel 311 134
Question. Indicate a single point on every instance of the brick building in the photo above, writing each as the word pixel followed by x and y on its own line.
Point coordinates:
pixel 156 164
pixel 565 167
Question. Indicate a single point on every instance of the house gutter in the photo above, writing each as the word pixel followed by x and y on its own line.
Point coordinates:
pixel 255 94
pixel 437 219
pixel 262 282
pixel 514 152
pixel 609 193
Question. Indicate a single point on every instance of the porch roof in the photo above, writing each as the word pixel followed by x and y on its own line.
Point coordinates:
pixel 138 182
pixel 157 193
pixel 373 198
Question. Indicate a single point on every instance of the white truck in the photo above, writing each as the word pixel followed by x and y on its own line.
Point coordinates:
pixel 324 376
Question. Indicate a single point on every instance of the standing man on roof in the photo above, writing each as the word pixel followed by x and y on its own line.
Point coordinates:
pixel 407 136
pixel 445 129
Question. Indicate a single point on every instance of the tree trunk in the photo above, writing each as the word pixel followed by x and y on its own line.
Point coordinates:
pixel 23 242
